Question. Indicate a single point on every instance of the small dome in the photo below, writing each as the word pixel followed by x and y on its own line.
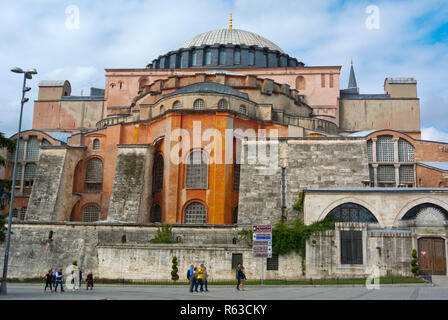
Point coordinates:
pixel 230 36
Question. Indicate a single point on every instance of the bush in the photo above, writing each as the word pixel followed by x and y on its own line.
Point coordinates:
pixel 414 263
pixel 164 235
pixel 174 275
pixel 75 262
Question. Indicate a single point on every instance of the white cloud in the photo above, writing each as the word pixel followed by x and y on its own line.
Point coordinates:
pixel 434 134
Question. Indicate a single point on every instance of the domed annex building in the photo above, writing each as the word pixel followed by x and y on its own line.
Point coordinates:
pixel 222 133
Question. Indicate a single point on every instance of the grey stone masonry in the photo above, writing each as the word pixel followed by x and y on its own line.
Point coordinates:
pixel 306 163
pixel 132 186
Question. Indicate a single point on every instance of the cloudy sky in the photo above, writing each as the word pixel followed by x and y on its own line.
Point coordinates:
pixel 396 39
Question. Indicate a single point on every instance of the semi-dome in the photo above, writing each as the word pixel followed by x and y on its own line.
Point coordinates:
pixel 230 36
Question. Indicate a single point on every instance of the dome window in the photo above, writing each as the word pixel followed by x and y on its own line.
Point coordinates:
pixel 237 56
pixel 177 105
pixel 251 58
pixel 243 109
pixel 199 104
pixel 222 104
pixel 222 56
pixel 208 57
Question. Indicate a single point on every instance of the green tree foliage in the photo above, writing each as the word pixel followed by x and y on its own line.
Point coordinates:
pixel 4 184
pixel 164 235
pixel 3 228
pixel 414 263
pixel 9 144
pixel 174 275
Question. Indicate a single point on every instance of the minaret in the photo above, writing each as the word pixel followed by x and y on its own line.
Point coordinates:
pixel 352 81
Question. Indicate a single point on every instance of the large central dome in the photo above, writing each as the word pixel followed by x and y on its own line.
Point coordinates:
pixel 230 36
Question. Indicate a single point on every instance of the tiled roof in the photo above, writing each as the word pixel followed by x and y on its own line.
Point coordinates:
pixel 230 36
pixel 209 87
pixel 436 165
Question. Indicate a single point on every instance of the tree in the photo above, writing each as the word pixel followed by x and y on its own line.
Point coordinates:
pixel 4 184
pixel 164 234
pixel 174 275
pixel 414 263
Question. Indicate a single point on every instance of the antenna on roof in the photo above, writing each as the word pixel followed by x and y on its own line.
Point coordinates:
pixel 230 21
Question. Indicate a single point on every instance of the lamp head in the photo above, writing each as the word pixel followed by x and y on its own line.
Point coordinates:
pixel 32 71
pixel 17 70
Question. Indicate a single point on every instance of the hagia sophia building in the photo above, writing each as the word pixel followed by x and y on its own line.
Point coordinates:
pixel 106 159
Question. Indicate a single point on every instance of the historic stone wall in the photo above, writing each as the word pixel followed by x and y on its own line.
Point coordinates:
pixel 303 163
pixel 131 191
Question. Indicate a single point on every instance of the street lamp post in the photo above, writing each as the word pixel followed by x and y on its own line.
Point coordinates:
pixel 26 75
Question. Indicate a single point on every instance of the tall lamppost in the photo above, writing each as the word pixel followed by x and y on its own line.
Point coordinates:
pixel 26 75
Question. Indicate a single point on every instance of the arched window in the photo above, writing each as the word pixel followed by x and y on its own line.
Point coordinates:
pixel 243 109
pixel 222 104
pixel 405 151
pixel 30 171
pixel 199 104
pixel 96 144
pixel 208 57
pixel 158 173
pixel 369 150
pixel 19 174
pixel 45 142
pixel 385 149
pixel 427 212
pixel 94 175
pixel 300 83
pixel 352 212
pixel 177 105
pixel 91 213
pixel 251 58
pixel 237 56
pixel 197 171
pixel 21 150
pixel 236 177
pixel 156 215
pixel 162 109
pixel 32 150
pixel 194 59
pixel 196 213
pixel 235 215
pixel 222 56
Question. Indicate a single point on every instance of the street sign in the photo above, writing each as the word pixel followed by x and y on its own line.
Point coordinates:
pixel 262 236
pixel 262 228
pixel 262 243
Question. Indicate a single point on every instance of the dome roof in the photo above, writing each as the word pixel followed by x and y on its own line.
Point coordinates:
pixel 230 36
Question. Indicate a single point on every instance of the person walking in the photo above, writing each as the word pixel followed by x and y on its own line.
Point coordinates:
pixel 205 278
pixel 190 277
pixel 59 281
pixel 243 278
pixel 53 273
pixel 80 277
pixel 89 281
pixel 195 279
pixel 238 276
pixel 49 281
pixel 75 273
pixel 199 278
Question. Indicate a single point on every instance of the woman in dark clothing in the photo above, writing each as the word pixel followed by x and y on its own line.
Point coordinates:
pixel 89 281
pixel 49 281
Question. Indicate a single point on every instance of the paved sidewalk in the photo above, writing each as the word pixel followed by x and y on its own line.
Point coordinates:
pixel 440 281
pixel 112 292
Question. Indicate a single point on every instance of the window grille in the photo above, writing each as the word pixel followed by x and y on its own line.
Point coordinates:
pixel 222 104
pixel 352 212
pixel 371 174
pixel 407 174
pixel 177 105
pixel 235 215
pixel 272 263
pixel 405 151
pixel 19 174
pixel 94 175
pixel 15 213
pixel 243 109
pixel 385 149
pixel 351 247
pixel 197 171
pixel 22 213
pixel 237 258
pixel 91 213
pixel 369 150
pixel 195 213
pixel 386 173
pixel 46 142
pixel 199 104
pixel 30 171
pixel 32 150
pixel 158 174
pixel 156 214
pixel 236 177
pixel 96 144
pixel 21 150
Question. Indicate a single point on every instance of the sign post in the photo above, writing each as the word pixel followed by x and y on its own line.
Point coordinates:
pixel 262 244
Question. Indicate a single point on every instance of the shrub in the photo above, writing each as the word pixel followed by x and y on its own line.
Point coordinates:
pixel 414 263
pixel 174 275
pixel 164 235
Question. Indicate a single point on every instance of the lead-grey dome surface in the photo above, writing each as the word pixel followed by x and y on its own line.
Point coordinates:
pixel 230 36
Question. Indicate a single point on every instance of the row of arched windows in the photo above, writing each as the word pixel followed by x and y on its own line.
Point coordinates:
pixel 199 104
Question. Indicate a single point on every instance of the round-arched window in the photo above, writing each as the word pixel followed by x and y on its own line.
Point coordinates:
pixel 91 213
pixel 94 175
pixel 195 213
pixel 177 105
pixel 199 104
pixel 162 109
pixel 222 104
pixel 243 109
pixel 352 212
pixel 158 173
pixel 156 215
pixel 197 171
pixel 96 144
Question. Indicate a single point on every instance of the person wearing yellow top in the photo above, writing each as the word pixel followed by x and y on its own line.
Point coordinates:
pixel 199 279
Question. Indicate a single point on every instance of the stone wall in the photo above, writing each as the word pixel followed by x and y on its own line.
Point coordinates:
pixel 308 163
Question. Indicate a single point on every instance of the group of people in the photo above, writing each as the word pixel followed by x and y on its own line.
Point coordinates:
pixel 54 278
pixel 240 277
pixel 198 277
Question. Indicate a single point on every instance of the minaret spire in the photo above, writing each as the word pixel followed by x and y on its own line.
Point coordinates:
pixel 352 81
pixel 230 21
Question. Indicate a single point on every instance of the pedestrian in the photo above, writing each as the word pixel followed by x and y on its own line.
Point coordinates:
pixel 59 281
pixel 53 273
pixel 200 276
pixel 190 277
pixel 243 277
pixel 238 276
pixel 49 281
pixel 205 278
pixel 89 281
pixel 195 279
pixel 80 277
pixel 75 273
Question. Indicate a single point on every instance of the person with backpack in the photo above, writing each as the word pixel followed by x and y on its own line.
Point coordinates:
pixel 59 280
